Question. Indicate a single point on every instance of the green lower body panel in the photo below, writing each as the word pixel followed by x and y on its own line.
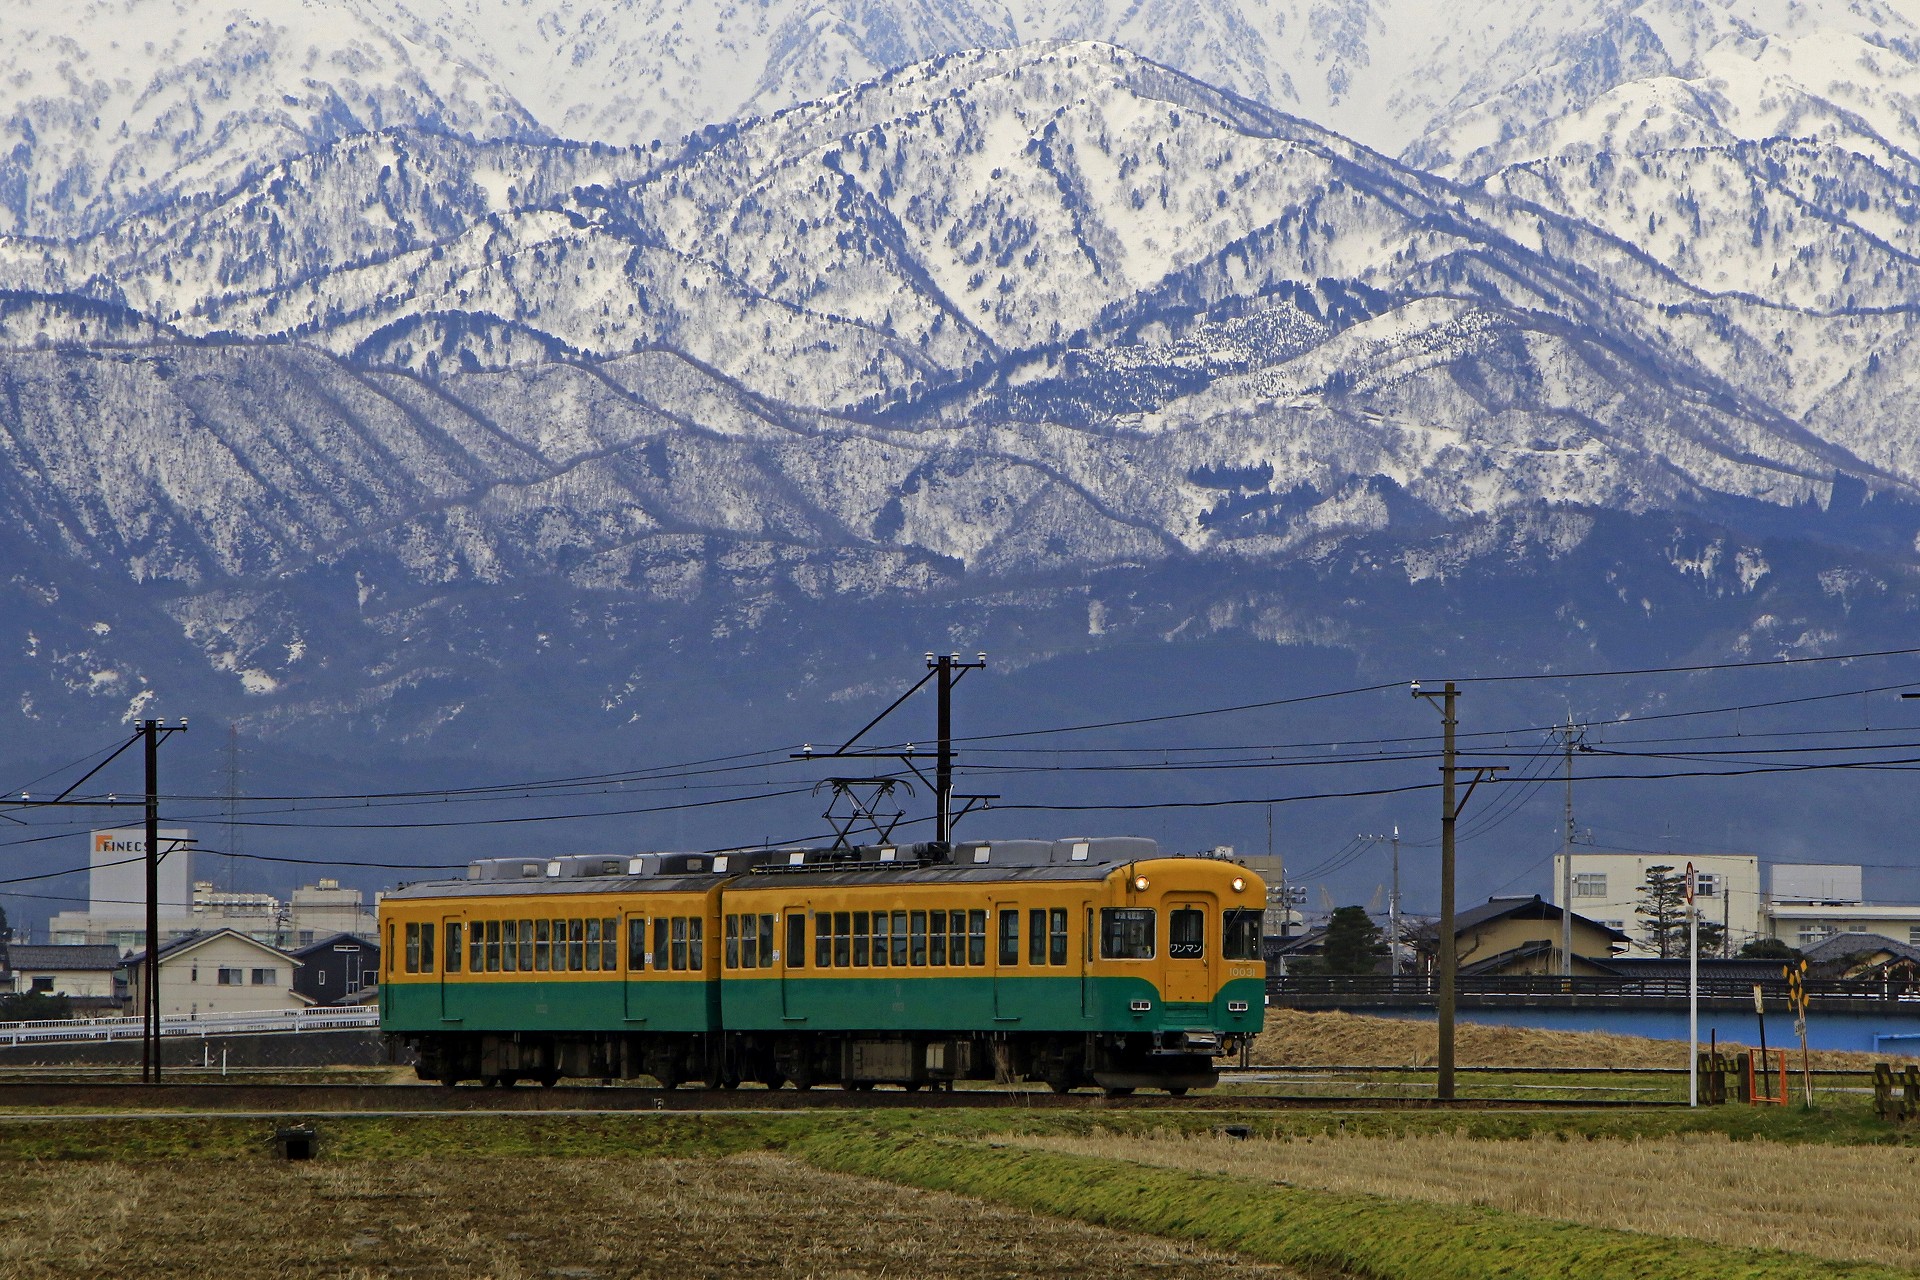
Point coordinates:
pixel 981 1003
pixel 609 1005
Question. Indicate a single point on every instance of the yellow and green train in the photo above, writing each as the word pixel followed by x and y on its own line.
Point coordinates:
pixel 1081 962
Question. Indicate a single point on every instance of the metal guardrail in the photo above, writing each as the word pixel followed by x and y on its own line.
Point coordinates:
pixel 202 1026
pixel 1831 993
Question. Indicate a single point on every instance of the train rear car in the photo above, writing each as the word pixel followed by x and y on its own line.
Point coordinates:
pixel 535 969
pixel 1071 962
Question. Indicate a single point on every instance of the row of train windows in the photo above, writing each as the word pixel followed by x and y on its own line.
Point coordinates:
pixel 560 946
pixel 841 939
pixel 897 939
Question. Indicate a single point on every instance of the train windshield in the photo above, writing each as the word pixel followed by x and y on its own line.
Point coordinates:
pixel 1187 933
pixel 1242 940
pixel 1126 933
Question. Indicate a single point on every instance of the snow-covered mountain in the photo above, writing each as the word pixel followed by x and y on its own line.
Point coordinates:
pixel 477 396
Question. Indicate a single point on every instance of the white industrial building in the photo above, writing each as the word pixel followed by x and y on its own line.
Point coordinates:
pixel 116 909
pixel 1802 905
pixel 1606 887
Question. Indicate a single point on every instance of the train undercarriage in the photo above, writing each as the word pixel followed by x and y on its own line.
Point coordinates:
pixel 1117 1062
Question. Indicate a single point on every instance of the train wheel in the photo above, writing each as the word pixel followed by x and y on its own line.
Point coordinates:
pixel 1176 1091
pixel 911 1086
pixel 548 1079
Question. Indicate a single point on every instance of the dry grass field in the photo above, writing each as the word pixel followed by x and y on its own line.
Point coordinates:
pixel 544 1219
pixel 1297 1038
pixel 1852 1203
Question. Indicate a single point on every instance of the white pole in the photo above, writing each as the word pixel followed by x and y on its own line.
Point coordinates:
pixel 1393 905
pixel 1693 995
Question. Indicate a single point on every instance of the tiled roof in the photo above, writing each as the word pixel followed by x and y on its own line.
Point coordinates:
pixel 64 958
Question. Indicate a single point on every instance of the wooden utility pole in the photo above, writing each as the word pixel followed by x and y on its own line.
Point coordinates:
pixel 1447 944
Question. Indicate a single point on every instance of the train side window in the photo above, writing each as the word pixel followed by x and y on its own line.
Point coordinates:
pixel 413 948
pixel 1186 933
pixel 937 938
pixel 476 947
pixel 1126 933
pixel 393 952
pixel 426 947
pixel 1057 936
pixel 592 945
pixel 747 953
pixel 882 939
pixel 526 946
pixel 453 948
pixel 766 942
pixel 576 948
pixel 696 948
pixel 957 937
pixel 510 947
pixel 917 932
pixel 1037 936
pixel 542 945
pixel 900 938
pixel 1009 937
pixel 660 952
pixel 976 937
pixel 730 953
pixel 822 940
pixel 680 943
pixel 1240 935
pixel 609 944
pixel 797 940
pixel 636 944
pixel 841 937
pixel 862 938
pixel 493 946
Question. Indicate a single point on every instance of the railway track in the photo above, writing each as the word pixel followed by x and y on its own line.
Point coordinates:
pixel 390 1099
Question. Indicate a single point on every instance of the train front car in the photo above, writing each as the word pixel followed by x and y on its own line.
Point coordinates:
pixel 1176 979
pixel 535 969
pixel 1072 962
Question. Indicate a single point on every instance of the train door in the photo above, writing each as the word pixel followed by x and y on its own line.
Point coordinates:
pixel 793 955
pixel 1086 966
pixel 450 967
pixel 633 994
pixel 1004 952
pixel 1192 951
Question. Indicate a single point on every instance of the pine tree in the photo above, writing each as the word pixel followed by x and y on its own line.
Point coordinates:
pixel 1663 908
pixel 1353 942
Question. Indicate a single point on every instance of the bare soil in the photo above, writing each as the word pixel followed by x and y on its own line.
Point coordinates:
pixel 1298 1038
pixel 571 1219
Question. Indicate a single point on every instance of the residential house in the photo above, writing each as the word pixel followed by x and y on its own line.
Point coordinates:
pixel 84 974
pixel 221 971
pixel 1510 936
pixel 337 969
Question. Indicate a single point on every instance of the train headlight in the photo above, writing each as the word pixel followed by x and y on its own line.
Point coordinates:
pixel 1140 883
pixel 1238 884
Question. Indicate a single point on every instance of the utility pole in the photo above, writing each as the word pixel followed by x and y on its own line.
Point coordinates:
pixel 1568 736
pixel 943 766
pixel 1393 899
pixel 150 985
pixel 1446 945
pixel 149 735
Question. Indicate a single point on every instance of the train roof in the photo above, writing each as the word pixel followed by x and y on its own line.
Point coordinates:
pixel 780 877
pixel 549 888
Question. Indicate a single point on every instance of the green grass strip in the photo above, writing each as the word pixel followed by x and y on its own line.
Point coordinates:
pixel 1368 1236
